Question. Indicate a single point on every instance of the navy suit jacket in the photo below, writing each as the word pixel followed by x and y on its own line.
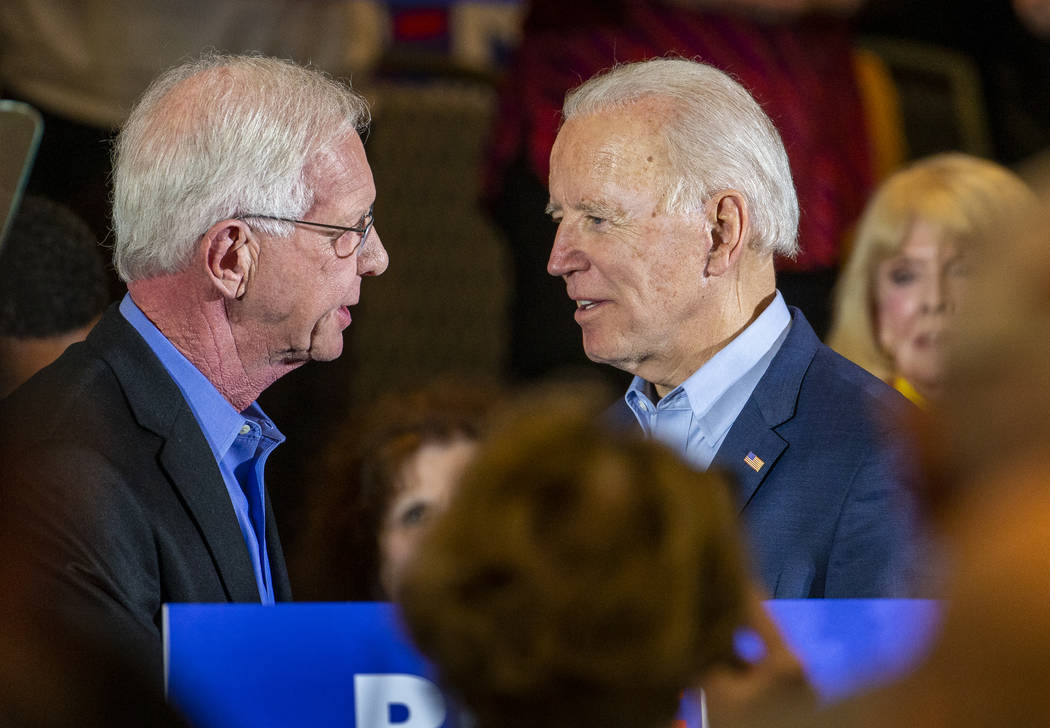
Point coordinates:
pixel 827 512
pixel 116 495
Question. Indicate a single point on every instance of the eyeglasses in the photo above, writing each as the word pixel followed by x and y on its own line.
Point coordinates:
pixel 343 244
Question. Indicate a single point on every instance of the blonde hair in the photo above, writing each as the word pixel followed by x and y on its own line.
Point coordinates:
pixel 967 197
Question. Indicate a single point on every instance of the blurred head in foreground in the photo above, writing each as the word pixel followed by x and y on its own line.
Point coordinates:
pixel 988 454
pixel 52 288
pixel 997 402
pixel 579 577
pixel 896 301
pixel 989 457
pixel 383 478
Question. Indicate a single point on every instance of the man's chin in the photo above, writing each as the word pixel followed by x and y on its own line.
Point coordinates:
pixel 593 353
pixel 326 341
pixel 329 352
pixel 600 355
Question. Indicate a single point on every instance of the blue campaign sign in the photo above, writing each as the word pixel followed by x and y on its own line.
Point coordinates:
pixel 849 644
pixel 350 664
pixel 318 665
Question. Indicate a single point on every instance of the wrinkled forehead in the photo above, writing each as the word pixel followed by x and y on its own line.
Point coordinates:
pixel 623 143
pixel 342 169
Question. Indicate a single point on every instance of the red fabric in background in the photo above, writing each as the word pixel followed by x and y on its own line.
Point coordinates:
pixel 420 24
pixel 801 72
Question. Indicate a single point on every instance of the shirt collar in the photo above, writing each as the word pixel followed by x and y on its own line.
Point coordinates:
pixel 218 419
pixel 718 390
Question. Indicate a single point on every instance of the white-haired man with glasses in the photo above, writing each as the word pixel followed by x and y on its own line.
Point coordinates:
pixel 243 217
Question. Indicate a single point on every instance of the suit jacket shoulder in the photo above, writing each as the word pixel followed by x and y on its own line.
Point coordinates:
pixel 823 469
pixel 117 490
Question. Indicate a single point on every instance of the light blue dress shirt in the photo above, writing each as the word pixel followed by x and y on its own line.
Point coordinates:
pixel 240 441
pixel 695 417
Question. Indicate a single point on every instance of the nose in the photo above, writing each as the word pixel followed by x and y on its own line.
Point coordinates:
pixel 372 260
pixel 565 257
pixel 936 298
pixel 948 289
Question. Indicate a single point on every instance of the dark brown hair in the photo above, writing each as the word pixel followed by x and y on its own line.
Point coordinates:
pixel 359 475
pixel 579 577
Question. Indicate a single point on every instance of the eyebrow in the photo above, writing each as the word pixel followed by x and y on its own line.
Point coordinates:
pixel 611 212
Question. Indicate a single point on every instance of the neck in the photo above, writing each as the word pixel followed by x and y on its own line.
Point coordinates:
pixel 734 305
pixel 194 320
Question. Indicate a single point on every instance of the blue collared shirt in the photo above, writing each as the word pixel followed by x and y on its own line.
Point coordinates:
pixel 695 417
pixel 240 441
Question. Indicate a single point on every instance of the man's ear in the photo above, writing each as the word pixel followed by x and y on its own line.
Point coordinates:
pixel 728 218
pixel 231 251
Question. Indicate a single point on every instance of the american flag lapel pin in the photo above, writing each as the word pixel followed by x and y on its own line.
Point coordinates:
pixel 754 461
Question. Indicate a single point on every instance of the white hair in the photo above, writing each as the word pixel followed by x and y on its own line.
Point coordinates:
pixel 717 137
pixel 218 137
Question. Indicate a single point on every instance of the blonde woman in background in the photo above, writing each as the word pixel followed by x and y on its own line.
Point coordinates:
pixel 897 296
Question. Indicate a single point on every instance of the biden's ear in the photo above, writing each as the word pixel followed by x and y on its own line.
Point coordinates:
pixel 231 252
pixel 728 220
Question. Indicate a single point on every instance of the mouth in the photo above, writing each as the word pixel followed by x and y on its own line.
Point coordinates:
pixel 343 314
pixel 587 307
pixel 929 339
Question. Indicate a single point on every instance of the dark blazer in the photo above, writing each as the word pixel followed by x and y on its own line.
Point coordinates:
pixel 120 504
pixel 828 511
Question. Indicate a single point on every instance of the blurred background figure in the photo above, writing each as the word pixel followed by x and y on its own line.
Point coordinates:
pixel 580 577
pixel 987 452
pixel 83 64
pixel 991 422
pixel 895 303
pixel 383 478
pixel 996 57
pixel 52 288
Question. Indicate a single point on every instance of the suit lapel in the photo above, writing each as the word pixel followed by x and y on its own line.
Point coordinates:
pixel 190 465
pixel 185 456
pixel 753 445
pixel 749 452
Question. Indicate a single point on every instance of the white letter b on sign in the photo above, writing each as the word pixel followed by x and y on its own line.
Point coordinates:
pixel 397 701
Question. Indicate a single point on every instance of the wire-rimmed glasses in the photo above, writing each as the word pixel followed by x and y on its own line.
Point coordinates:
pixel 343 244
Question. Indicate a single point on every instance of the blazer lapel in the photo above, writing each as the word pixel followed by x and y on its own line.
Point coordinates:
pixel 752 446
pixel 749 452
pixel 185 456
pixel 191 466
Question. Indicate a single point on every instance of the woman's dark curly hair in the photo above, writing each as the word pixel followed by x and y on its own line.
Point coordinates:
pixel 358 476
